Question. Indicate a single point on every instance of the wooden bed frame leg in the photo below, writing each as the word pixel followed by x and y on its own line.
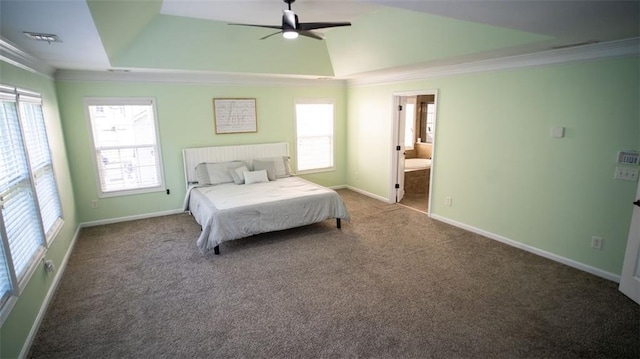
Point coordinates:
pixel 338 223
pixel 216 250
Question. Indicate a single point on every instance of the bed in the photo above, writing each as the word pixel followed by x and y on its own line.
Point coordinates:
pixel 238 191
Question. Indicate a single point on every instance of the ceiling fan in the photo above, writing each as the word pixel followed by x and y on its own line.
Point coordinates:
pixel 291 28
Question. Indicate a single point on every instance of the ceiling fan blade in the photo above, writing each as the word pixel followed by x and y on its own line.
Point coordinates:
pixel 291 27
pixel 268 36
pixel 304 26
pixel 311 34
pixel 263 26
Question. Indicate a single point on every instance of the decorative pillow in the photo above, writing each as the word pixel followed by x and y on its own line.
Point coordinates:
pixel 255 176
pixel 283 167
pixel 216 173
pixel 269 166
pixel 202 175
pixel 237 174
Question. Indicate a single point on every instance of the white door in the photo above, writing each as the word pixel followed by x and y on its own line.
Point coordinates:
pixel 400 148
pixel 630 279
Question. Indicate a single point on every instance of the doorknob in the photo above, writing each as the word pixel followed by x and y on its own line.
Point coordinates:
pixel 637 202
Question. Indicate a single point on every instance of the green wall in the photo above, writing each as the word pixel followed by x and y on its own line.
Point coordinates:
pixel 185 116
pixel 16 327
pixel 495 157
pixel 410 37
pixel 494 154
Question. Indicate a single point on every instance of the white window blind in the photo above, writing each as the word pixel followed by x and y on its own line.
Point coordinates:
pixel 314 134
pixel 41 166
pixel 126 145
pixel 5 280
pixel 29 203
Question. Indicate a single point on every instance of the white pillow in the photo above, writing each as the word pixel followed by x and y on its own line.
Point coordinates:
pixel 255 176
pixel 237 174
pixel 216 173
pixel 283 168
pixel 202 175
pixel 269 166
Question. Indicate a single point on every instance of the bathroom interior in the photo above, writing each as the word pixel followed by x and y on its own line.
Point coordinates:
pixel 420 119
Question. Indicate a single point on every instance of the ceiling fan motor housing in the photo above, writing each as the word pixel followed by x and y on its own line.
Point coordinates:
pixel 289 21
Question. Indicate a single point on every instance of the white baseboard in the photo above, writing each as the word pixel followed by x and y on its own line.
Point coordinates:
pixel 47 299
pixel 56 281
pixel 554 257
pixel 368 194
pixel 131 218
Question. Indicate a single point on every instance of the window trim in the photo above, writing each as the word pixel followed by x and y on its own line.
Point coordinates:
pixel 18 284
pixel 315 101
pixel 124 101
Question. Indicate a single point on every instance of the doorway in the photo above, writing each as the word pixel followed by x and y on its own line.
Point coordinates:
pixel 630 277
pixel 413 153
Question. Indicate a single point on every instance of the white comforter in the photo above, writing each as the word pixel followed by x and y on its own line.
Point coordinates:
pixel 229 211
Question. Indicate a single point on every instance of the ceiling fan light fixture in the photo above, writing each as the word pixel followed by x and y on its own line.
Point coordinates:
pixel 291 28
pixel 290 34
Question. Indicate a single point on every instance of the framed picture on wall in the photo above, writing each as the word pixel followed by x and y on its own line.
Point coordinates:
pixel 234 115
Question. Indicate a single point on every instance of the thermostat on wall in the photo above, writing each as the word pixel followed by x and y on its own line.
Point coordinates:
pixel 628 157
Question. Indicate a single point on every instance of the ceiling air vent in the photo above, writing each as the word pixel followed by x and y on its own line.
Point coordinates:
pixel 38 36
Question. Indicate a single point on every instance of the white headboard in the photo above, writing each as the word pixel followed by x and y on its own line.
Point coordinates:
pixel 194 156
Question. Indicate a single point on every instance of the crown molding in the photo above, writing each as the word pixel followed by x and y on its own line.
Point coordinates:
pixel 11 54
pixel 194 77
pixel 622 48
pixel 612 49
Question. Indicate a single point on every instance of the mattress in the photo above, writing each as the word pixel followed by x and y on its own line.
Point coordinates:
pixel 229 211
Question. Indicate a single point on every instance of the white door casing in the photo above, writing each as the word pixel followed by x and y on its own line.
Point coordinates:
pixel 630 278
pixel 400 148
pixel 396 169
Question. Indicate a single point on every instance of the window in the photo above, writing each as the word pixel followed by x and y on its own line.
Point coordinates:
pixel 125 145
pixel 431 121
pixel 314 134
pixel 410 124
pixel 30 210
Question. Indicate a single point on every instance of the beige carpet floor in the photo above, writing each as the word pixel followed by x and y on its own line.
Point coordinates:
pixel 391 284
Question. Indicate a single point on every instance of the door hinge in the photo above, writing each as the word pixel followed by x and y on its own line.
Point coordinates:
pixel 398 148
pixel 397 185
pixel 399 107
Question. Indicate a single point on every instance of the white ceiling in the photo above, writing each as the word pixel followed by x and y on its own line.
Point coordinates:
pixel 81 49
pixel 267 12
pixel 71 20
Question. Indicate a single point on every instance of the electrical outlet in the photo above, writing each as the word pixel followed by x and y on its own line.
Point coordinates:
pixel 49 266
pixel 596 243
pixel 94 203
pixel 448 201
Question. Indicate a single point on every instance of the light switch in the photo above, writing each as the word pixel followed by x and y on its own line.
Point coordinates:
pixel 626 173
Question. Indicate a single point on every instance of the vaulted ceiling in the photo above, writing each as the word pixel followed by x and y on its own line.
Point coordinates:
pixel 194 36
